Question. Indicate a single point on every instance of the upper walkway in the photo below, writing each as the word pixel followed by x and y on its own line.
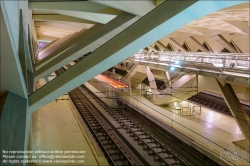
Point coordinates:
pixel 229 66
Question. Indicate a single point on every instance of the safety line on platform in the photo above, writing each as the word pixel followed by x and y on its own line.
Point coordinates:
pixel 79 124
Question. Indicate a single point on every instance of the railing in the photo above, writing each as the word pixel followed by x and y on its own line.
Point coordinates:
pixel 169 126
pixel 176 128
pixel 230 62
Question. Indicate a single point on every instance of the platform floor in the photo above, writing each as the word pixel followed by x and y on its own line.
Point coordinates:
pixel 55 127
pixel 211 129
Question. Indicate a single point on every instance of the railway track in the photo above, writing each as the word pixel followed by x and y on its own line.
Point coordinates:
pixel 106 141
pixel 154 147
pixel 187 152
pixel 214 103
pixel 122 140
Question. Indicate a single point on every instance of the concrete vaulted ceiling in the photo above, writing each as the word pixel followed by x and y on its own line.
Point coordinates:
pixel 231 23
pixel 112 31
pixel 115 30
pixel 115 36
pixel 57 19
pixel 114 41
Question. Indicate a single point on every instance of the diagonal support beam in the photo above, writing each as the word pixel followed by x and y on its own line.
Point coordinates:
pixel 178 91
pixel 92 39
pixel 162 45
pixel 60 46
pixel 51 47
pixel 58 17
pixel 152 83
pixel 223 41
pixel 85 6
pixel 145 31
pixel 178 45
pixel 199 44
pixel 237 110
pixel 133 7
pixel 11 73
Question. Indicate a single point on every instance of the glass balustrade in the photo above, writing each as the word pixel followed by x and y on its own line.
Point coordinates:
pixel 221 61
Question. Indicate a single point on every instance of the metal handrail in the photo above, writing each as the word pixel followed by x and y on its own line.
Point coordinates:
pixel 170 58
pixel 167 126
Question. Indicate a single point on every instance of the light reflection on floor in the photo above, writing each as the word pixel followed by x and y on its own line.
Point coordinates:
pixel 110 81
pixel 212 120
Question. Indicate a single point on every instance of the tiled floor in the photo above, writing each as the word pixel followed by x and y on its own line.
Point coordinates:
pixel 211 129
pixel 55 127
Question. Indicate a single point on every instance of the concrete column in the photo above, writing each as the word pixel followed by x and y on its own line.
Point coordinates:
pixel 21 50
pixel 14 126
pixel 31 49
pixel 11 69
pixel 236 109
pixel 30 76
pixel 168 77
pixel 152 83
pixel 236 61
pixel 23 66
pixel 140 34
pixel 224 62
pixel 151 80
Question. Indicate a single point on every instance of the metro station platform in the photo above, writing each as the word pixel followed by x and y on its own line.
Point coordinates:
pixel 210 131
pixel 56 127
